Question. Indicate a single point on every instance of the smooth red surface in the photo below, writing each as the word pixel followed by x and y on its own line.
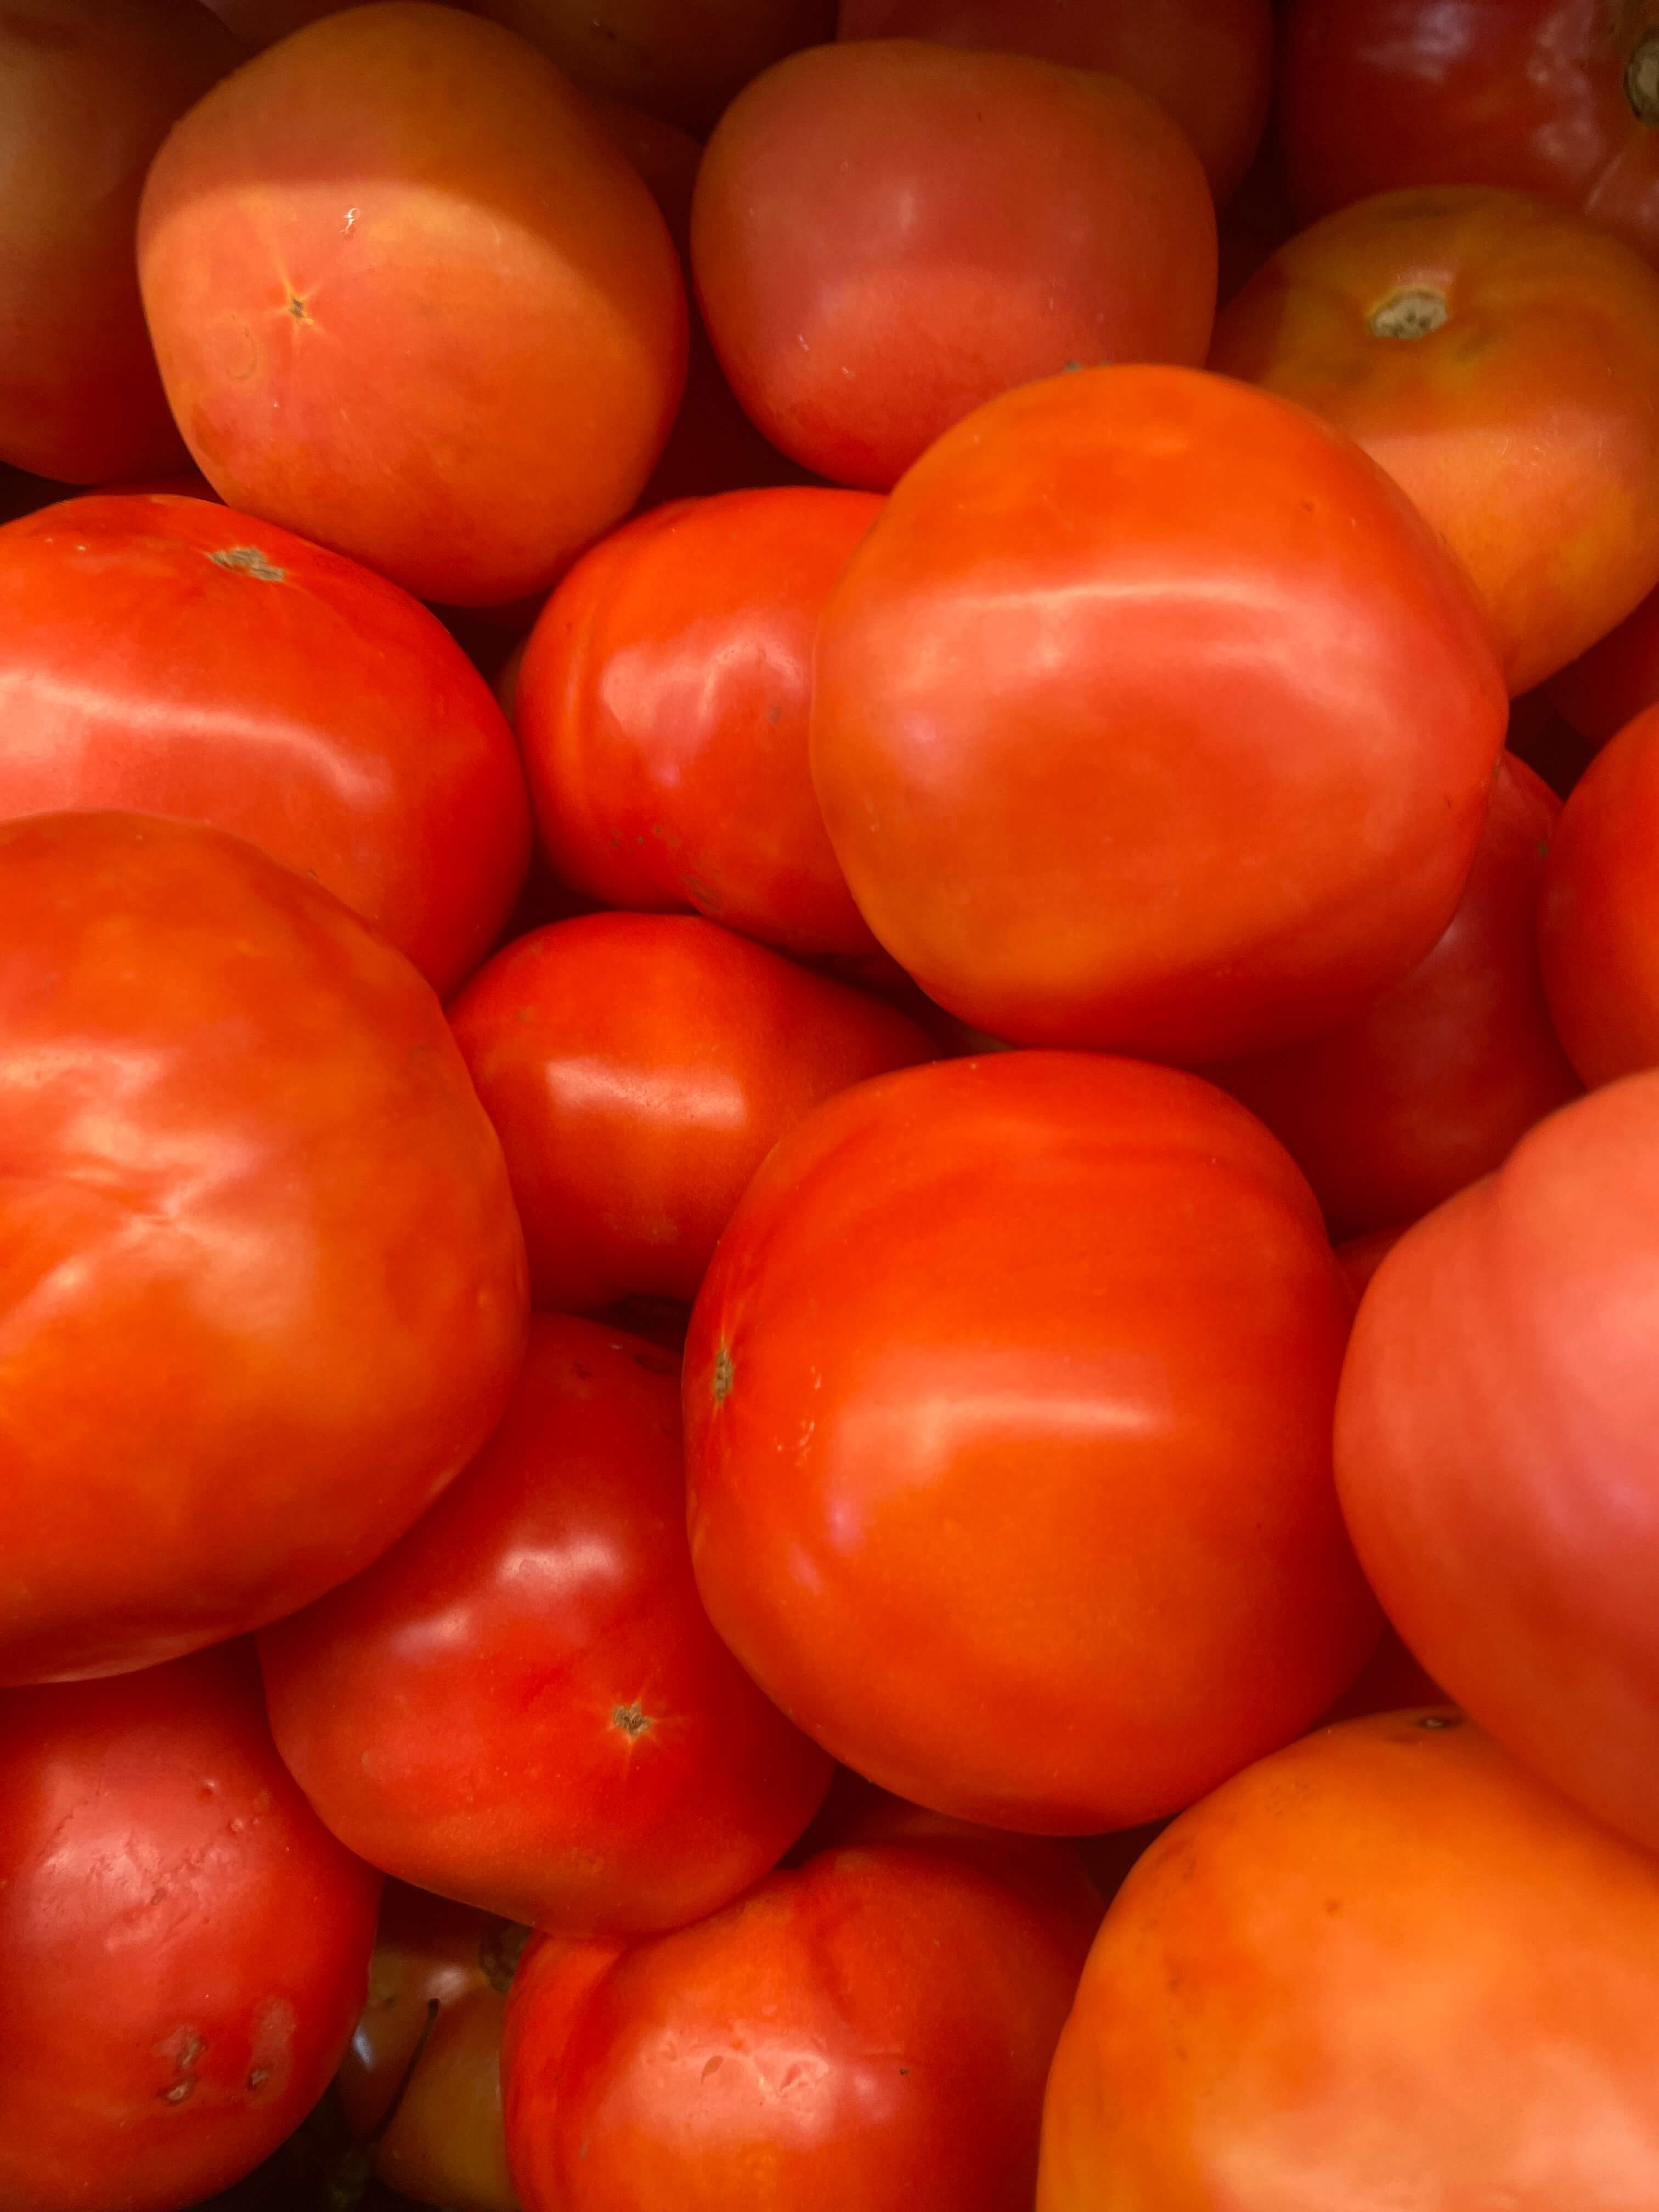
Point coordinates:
pixel 185 1947
pixel 1495 1449
pixel 639 1067
pixel 167 655
pixel 662 710
pixel 522 1705
pixel 1385 1967
pixel 1151 717
pixel 1008 1439
pixel 262 1288
pixel 887 232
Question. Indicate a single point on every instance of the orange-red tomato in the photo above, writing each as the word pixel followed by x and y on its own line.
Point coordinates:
pixel 1610 685
pixel 670 670
pixel 1008 1439
pixel 1112 758
pixel 1451 332
pixel 410 300
pixel 1385 1966
pixel 887 232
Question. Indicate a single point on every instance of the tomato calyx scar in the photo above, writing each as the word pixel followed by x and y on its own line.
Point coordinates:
pixel 1409 314
pixel 247 560
pixel 1641 81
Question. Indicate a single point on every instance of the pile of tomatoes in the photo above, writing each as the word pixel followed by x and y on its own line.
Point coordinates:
pixel 830 1106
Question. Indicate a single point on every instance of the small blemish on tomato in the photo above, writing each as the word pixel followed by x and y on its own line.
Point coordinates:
pixel 724 1375
pixel 631 1719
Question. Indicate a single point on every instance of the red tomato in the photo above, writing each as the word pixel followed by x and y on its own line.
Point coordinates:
pixel 1613 682
pixel 638 1068
pixel 167 655
pixel 1448 331
pixel 1383 1967
pixel 1599 925
pixel 1433 1082
pixel 1109 760
pixel 409 300
pixel 1495 1449
pixel 262 1289
pixel 184 1947
pixel 446 2144
pixel 1014 1377
pixel 870 2029
pixel 886 233
pixel 671 668
pixel 522 1705
pixel 1553 96
pixel 1208 62
pixel 90 88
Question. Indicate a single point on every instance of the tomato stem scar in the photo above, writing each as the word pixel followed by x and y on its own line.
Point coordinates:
pixel 1411 315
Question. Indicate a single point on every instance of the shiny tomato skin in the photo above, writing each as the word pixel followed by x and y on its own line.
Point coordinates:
pixel 1551 96
pixel 1386 1966
pixel 1547 345
pixel 1495 1455
pixel 1431 1085
pixel 1007 1433
pixel 167 655
pixel 185 1946
pixel 670 672
pixel 870 2028
pixel 639 1067
pixel 887 232
pixel 1109 760
pixel 1610 685
pixel 522 1706
pixel 256 1239
pixel 410 300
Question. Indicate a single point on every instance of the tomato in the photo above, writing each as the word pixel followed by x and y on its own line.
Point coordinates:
pixel 870 2028
pixel 1433 1082
pixel 1619 676
pixel 1008 1439
pixel 1109 760
pixel 1385 1966
pixel 262 22
pixel 638 1068
pixel 446 2144
pixel 262 1288
pixel 1495 1454
pixel 1208 62
pixel 1599 925
pixel 87 91
pixel 165 654
pixel 671 668
pixel 1553 96
pixel 886 232
pixel 1448 331
pixel 184 1947
pixel 409 300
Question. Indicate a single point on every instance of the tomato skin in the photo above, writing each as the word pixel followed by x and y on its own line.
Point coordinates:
pixel 521 1705
pixel 1494 1450
pixel 258 1237
pixel 185 1946
pixel 638 1068
pixel 997 1363
pixel 1277 716
pixel 1384 1966
pixel 1610 685
pixel 672 669
pixel 166 655
pixel 871 2028
pixel 1549 346
pixel 886 233
pixel 409 300
pixel 1528 93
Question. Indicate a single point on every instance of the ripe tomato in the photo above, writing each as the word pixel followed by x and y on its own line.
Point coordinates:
pixel 1008 1439
pixel 887 232
pixel 167 655
pixel 1111 760
pixel 1612 682
pixel 671 668
pixel 1495 1449
pixel 1448 331
pixel 262 1289
pixel 409 300
pixel 638 1068
pixel 1553 96
pixel 870 2028
pixel 183 1945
